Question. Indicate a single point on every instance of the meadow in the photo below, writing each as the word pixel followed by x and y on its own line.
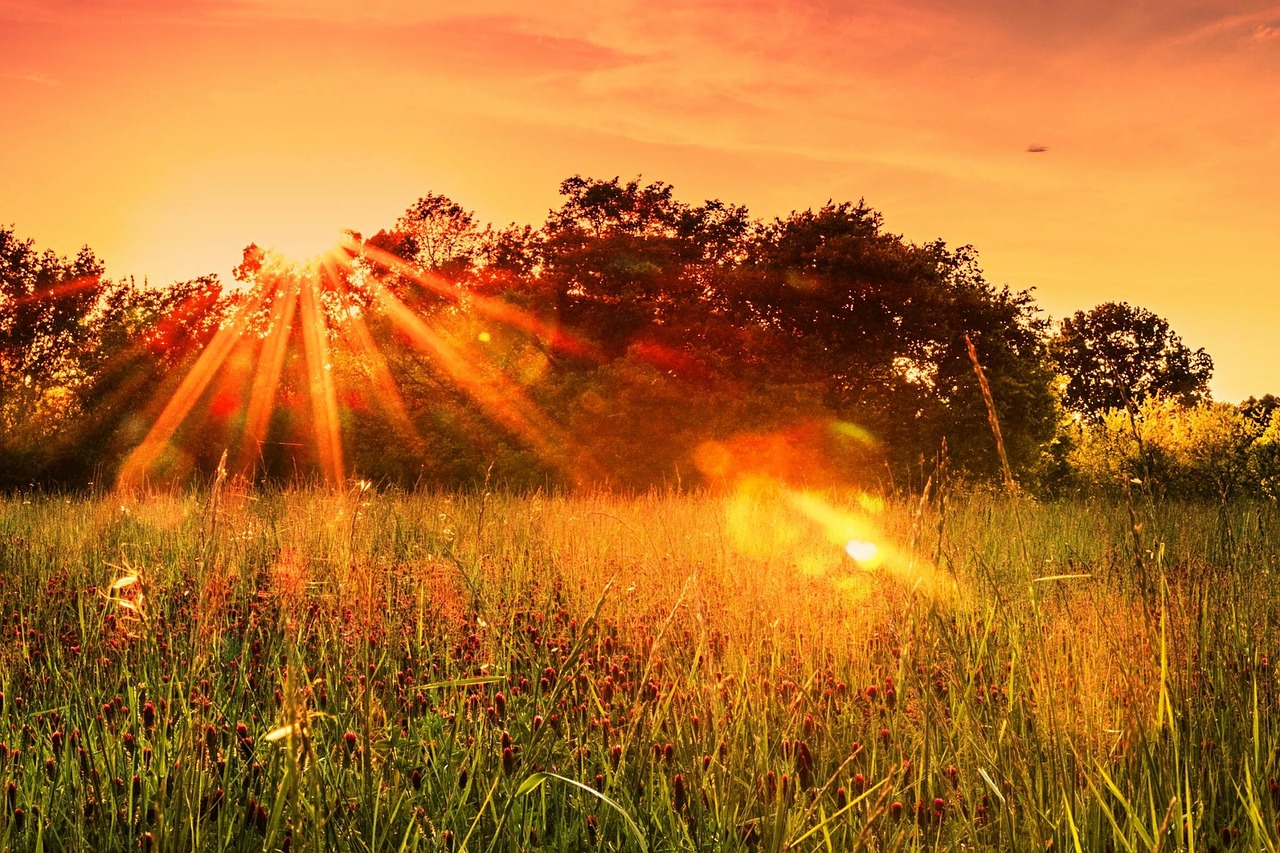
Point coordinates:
pixel 231 669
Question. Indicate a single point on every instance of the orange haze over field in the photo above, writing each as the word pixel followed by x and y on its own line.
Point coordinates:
pixel 167 135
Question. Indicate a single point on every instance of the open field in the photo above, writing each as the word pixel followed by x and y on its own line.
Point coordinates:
pixel 317 671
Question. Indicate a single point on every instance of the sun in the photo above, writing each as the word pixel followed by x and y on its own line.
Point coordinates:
pixel 302 245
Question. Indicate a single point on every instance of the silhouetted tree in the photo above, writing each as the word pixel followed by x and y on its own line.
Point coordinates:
pixel 147 338
pixel 1118 355
pixel 626 333
pixel 880 322
pixel 45 306
pixel 47 303
pixel 83 359
pixel 1260 409
pixel 613 260
pixel 440 235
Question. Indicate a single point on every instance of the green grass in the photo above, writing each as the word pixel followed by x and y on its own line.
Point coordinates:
pixel 320 671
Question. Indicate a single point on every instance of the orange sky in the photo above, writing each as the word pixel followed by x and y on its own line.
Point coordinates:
pixel 167 135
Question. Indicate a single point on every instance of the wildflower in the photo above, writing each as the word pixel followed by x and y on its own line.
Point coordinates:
pixel 770 786
pixel 210 803
pixel 804 764
pixel 680 798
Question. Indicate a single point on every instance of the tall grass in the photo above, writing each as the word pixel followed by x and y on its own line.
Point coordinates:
pixel 314 671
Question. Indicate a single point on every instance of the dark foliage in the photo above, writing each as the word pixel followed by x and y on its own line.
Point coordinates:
pixel 630 339
pixel 1116 356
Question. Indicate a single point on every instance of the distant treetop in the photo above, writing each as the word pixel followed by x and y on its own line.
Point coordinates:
pixel 1117 355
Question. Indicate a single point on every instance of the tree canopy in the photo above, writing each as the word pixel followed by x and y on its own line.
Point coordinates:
pixel 1116 356
pixel 631 339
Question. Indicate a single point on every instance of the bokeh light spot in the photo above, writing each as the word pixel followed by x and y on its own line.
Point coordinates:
pixel 861 550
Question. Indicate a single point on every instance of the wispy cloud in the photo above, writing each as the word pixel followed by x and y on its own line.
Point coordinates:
pixel 38 79
pixel 91 13
pixel 1227 28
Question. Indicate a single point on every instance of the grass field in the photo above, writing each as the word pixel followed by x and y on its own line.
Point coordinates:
pixel 307 670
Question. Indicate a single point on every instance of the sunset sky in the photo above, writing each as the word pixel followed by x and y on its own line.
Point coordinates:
pixel 168 135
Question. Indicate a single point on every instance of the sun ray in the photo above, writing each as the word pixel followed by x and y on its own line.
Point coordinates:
pixel 553 334
pixel 119 367
pixel 374 364
pixel 62 290
pixel 136 466
pixel 320 386
pixel 266 378
pixel 313 297
pixel 499 397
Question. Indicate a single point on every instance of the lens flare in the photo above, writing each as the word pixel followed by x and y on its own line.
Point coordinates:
pixel 82 285
pixel 835 534
pixel 862 551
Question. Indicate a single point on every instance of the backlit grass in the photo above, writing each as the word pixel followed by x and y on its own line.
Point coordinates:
pixel 233 670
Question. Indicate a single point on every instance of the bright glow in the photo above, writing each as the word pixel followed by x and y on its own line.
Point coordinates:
pixel 304 245
pixel 861 551
pixel 813 532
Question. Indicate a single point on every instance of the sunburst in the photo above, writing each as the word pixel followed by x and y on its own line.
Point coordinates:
pixel 322 304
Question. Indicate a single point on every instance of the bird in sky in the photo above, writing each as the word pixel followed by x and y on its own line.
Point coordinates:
pixel 1037 149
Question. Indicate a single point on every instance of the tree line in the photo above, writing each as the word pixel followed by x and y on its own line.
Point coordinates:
pixel 631 340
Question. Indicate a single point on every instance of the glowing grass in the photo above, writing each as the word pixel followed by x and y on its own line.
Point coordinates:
pixel 325 670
